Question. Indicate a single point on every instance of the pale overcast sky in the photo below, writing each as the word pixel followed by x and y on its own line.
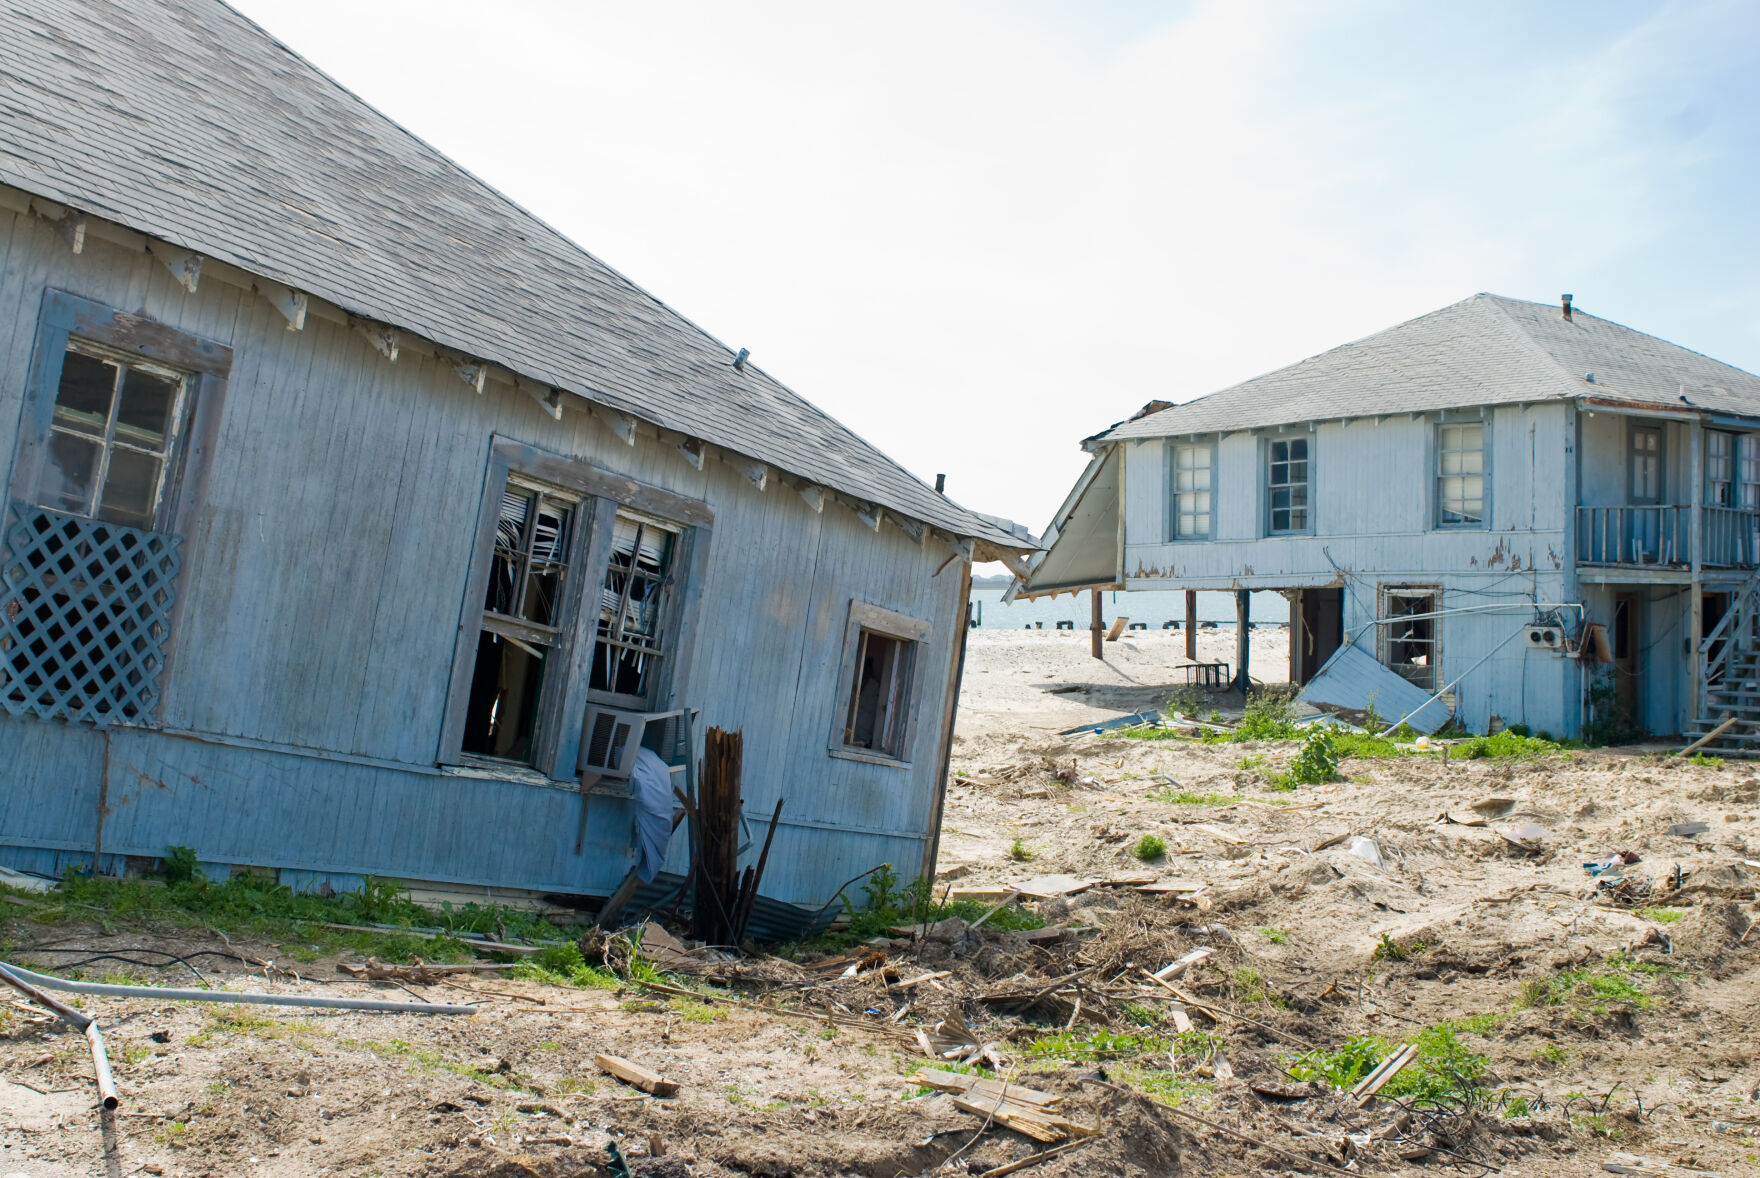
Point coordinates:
pixel 977 232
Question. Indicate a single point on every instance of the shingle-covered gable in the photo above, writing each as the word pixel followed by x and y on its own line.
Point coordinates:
pixel 186 122
pixel 1485 350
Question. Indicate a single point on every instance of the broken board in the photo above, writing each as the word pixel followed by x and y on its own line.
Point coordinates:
pixel 1165 886
pixel 1048 887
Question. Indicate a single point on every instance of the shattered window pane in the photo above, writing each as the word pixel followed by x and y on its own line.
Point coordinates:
pixel 522 618
pixel 633 603
pixel 1408 634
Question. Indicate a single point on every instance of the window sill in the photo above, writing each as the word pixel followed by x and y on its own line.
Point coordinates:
pixel 497 771
pixel 868 758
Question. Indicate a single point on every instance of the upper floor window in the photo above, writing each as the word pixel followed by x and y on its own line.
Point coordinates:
pixel 1288 485
pixel 1720 468
pixel 1460 475
pixel 1644 464
pixel 1193 475
pixel 1750 472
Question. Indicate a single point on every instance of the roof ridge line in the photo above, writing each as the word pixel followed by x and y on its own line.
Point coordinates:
pixel 1514 328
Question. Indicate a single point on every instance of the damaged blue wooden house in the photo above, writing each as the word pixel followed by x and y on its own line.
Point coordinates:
pixel 357 522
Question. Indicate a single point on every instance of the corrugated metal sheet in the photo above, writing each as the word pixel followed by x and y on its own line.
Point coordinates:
pixel 1352 679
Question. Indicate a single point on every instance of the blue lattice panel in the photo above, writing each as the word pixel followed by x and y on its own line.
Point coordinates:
pixel 85 611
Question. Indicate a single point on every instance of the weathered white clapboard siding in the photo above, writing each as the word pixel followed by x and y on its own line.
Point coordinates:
pixel 324 587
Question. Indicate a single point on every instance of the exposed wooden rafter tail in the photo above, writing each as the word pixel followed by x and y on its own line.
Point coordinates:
pixel 621 424
pixel 384 339
pixel 549 399
pixel 813 494
pixel 694 449
pixel 473 373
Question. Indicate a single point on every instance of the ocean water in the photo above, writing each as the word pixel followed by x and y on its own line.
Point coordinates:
pixel 1152 607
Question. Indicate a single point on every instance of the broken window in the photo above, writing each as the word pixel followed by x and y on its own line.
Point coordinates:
pixel 1192 476
pixel 1460 475
pixel 90 560
pixel 1288 485
pixel 522 621
pixel 1720 468
pixel 880 694
pixel 1408 632
pixel 632 633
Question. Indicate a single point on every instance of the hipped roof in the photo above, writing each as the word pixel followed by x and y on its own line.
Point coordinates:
pixel 1485 350
pixel 182 120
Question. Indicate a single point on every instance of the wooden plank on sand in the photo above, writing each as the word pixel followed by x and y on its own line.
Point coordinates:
pixel 636 1075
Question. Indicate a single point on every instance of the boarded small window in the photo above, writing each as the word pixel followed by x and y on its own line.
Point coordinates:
pixel 1287 486
pixel 879 698
pixel 1460 475
pixel 632 635
pixel 522 621
pixel 1192 478
pixel 1408 632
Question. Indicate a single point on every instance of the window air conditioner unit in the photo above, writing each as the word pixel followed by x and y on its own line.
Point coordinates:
pixel 610 738
pixel 1545 637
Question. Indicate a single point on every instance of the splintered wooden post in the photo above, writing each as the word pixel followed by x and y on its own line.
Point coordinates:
pixel 1191 625
pixel 1096 627
pixel 718 810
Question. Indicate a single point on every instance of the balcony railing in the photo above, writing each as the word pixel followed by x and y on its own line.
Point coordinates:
pixel 1661 536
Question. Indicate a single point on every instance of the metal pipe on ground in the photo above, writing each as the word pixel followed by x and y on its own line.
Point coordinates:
pixel 16 974
pixel 79 1020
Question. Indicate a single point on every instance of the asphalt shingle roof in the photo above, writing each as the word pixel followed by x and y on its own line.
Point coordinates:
pixel 1485 350
pixel 184 121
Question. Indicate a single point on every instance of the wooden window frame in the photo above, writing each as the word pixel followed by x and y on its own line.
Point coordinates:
pixel 1174 535
pixel 668 622
pixel 1269 489
pixel 564 696
pixel 1731 461
pixel 1436 475
pixel 206 366
pixel 1660 431
pixel 1384 595
pixel 891 624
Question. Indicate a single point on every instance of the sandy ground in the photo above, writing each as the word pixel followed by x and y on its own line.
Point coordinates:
pixel 513 1090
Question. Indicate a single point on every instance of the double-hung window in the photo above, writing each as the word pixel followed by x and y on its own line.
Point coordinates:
pixel 117 420
pixel 573 599
pixel 1644 464
pixel 1460 475
pixel 1750 472
pixel 1193 477
pixel 1287 485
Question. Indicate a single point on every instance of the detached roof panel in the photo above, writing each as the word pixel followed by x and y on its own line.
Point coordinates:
pixel 185 121
pixel 1486 350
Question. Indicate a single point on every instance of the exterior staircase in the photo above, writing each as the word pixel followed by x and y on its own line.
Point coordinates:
pixel 1729 678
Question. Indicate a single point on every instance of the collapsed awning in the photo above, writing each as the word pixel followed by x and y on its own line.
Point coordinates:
pixel 1353 679
pixel 1081 545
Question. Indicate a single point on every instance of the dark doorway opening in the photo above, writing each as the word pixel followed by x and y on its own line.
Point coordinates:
pixel 1316 630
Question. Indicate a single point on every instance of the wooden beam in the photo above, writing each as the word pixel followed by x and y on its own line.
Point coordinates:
pixel 547 398
pixel 621 424
pixel 184 265
pixel 637 1076
pixel 1191 625
pixel 383 338
pixel 693 450
pixel 474 373
pixel 1096 627
pixel 291 303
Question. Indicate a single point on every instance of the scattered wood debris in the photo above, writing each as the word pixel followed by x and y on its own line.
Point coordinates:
pixel 637 1076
